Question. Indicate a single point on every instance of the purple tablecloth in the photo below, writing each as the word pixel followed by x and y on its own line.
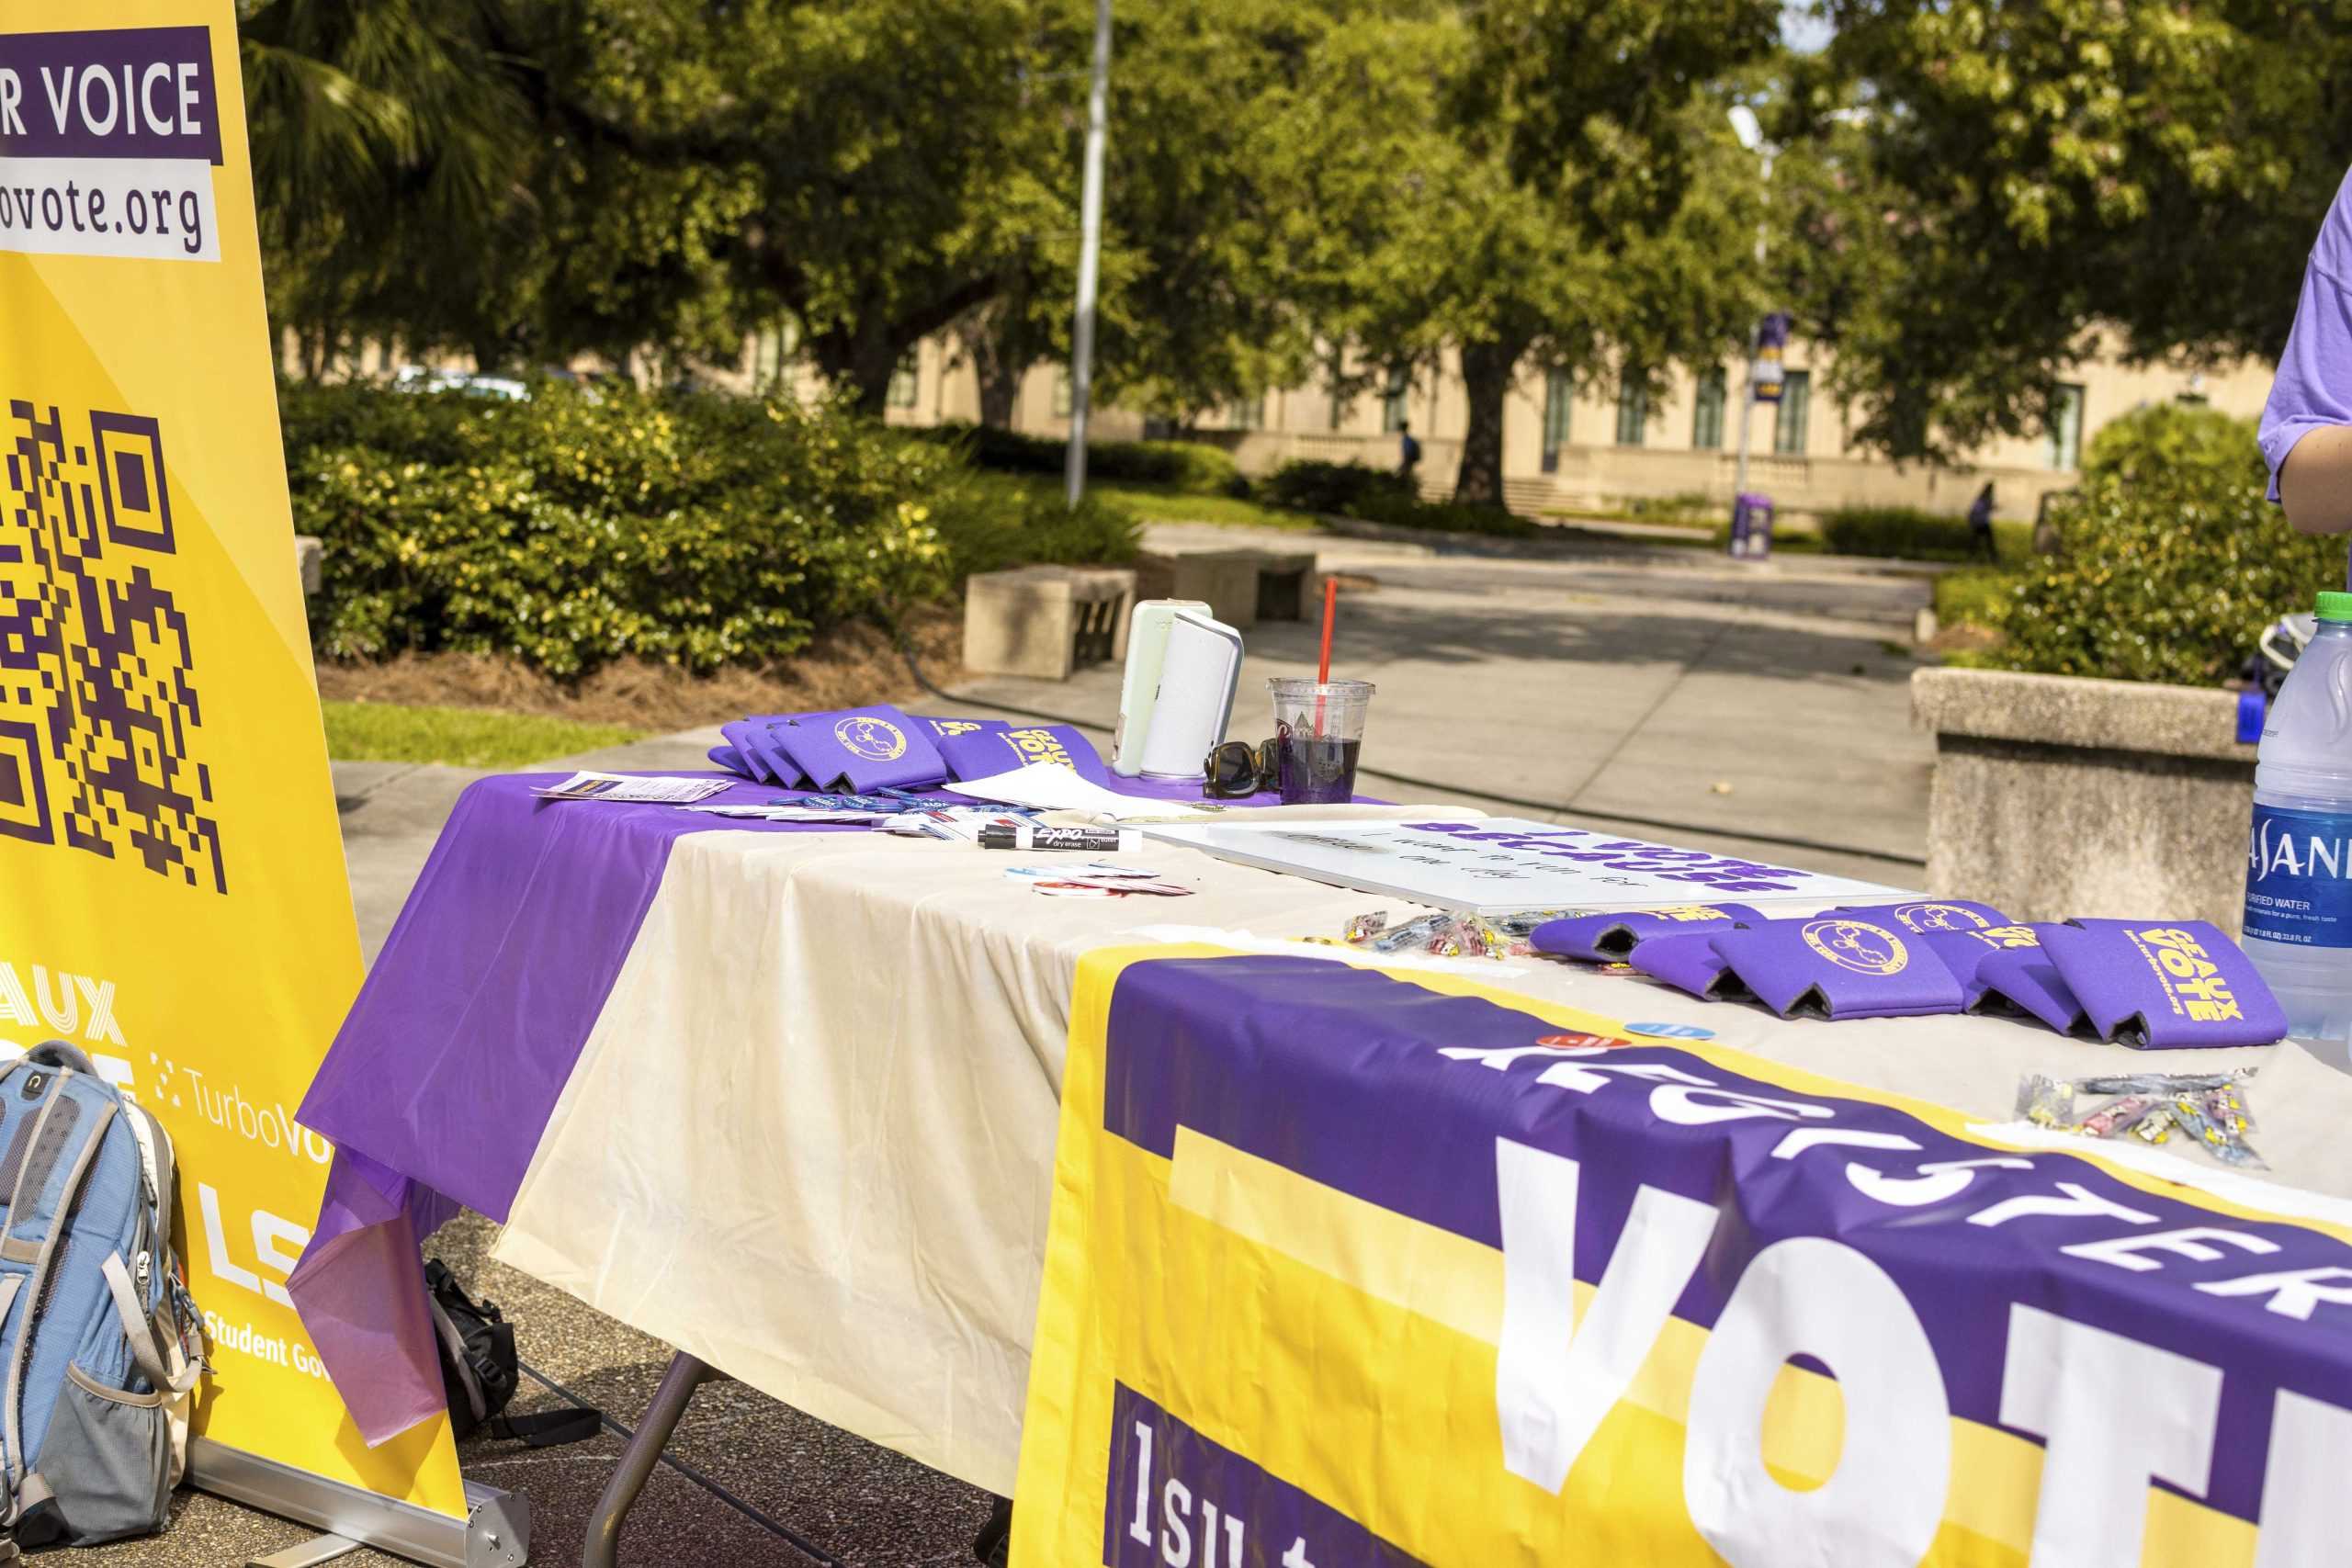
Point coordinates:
pixel 444 1074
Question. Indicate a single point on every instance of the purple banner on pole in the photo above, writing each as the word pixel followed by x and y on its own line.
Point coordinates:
pixel 117 93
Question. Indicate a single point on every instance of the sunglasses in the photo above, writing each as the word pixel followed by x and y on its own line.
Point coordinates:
pixel 1236 768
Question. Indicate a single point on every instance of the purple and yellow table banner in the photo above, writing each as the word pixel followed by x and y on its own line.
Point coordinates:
pixel 1347 1269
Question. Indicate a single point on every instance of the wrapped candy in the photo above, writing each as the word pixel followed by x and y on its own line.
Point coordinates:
pixel 2210 1108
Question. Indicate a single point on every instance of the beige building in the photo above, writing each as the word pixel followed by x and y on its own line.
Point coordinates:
pixel 1567 448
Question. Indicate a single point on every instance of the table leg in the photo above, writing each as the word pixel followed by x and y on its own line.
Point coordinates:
pixel 637 1458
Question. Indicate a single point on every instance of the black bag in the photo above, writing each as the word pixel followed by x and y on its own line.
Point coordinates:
pixel 479 1371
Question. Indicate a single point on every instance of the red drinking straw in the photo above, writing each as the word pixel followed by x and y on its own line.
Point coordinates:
pixel 1323 670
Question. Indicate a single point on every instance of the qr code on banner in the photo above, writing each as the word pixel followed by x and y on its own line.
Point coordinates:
pixel 98 710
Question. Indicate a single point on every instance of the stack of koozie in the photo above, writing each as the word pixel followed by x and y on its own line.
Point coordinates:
pixel 880 748
pixel 2153 984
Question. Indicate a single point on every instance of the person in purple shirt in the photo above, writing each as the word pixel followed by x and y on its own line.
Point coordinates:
pixel 2307 424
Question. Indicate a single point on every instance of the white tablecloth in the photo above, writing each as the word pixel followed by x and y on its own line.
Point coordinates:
pixel 810 1139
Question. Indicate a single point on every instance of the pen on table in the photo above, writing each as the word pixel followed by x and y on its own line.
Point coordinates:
pixel 1030 836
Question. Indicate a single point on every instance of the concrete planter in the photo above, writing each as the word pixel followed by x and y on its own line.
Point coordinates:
pixel 2056 796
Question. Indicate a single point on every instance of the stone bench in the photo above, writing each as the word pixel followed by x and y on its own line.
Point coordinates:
pixel 1045 621
pixel 2057 797
pixel 1241 587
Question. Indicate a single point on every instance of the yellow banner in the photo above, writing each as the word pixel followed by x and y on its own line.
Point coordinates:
pixel 1355 1267
pixel 176 901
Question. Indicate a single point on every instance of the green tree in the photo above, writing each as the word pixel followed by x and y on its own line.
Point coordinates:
pixel 2007 178
pixel 390 157
pixel 1563 192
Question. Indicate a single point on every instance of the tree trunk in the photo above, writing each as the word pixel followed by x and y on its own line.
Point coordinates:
pixel 1486 370
pixel 995 362
pixel 861 366
pixel 999 388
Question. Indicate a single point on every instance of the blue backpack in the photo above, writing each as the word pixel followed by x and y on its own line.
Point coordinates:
pixel 101 1342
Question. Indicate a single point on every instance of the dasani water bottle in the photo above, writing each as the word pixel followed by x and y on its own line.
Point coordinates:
pixel 2298 853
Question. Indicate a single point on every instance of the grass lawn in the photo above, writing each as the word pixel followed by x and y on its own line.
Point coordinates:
pixel 467 737
pixel 1165 503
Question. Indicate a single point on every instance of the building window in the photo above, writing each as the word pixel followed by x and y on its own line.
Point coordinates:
pixel 2067 428
pixel 1559 395
pixel 1795 421
pixel 1707 421
pixel 1064 398
pixel 902 382
pixel 1247 413
pixel 1633 411
pixel 1392 401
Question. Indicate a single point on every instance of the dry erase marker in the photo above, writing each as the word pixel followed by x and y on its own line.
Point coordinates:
pixel 1030 836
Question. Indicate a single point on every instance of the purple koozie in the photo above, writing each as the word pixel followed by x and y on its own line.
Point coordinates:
pixel 755 753
pixel 1836 966
pixel 1004 747
pixel 1689 961
pixel 1612 934
pixel 1928 914
pixel 869 748
pixel 2161 984
pixel 1965 950
pixel 964 746
pixel 2023 979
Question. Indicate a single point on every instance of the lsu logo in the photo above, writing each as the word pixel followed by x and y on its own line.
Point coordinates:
pixel 1860 947
pixel 872 739
pixel 1940 918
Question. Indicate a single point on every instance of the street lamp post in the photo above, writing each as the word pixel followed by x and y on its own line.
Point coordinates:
pixel 1743 125
pixel 1089 258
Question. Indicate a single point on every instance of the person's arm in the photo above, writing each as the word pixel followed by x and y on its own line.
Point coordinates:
pixel 2315 481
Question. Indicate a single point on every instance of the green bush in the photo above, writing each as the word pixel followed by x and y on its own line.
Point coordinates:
pixel 1381 495
pixel 1335 486
pixel 2171 562
pixel 572 529
pixel 1191 466
pixel 1905 533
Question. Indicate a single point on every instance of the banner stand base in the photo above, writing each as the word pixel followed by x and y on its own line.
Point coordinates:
pixel 495 1532
pixel 309 1554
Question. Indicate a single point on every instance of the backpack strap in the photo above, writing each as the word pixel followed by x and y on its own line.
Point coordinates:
pixel 145 1353
pixel 549 1429
pixel 38 1164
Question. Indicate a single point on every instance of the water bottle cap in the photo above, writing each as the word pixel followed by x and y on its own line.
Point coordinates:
pixel 2334 607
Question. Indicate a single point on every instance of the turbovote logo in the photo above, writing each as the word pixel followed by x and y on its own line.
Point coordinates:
pixel 1862 948
pixel 871 739
pixel 1941 917
pixel 107 144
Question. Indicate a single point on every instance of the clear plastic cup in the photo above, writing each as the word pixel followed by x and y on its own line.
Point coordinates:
pixel 1319 735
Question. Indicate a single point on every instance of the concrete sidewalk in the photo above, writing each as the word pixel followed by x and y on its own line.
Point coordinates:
pixel 1693 702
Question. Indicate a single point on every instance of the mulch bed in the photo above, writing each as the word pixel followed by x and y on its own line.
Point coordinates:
pixel 852 665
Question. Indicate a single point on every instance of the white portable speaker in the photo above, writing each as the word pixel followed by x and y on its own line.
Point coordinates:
pixel 1183 665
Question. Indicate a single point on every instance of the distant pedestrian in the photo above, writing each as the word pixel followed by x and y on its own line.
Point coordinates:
pixel 1411 452
pixel 1980 524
